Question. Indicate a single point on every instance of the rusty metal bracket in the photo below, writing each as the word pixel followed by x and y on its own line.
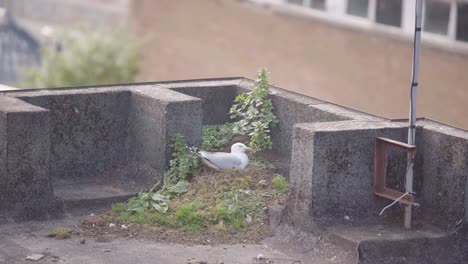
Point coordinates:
pixel 380 169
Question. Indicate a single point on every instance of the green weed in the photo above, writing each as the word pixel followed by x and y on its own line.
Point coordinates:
pixel 216 137
pixel 280 184
pixel 189 218
pixel 255 111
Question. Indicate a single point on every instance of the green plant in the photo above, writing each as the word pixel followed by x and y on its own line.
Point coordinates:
pixel 255 111
pixel 183 163
pixel 261 163
pixel 237 205
pixel 189 218
pixel 119 208
pixel 216 137
pixel 87 57
pixel 147 217
pixel 280 184
pixel 233 218
pixel 175 181
pixel 147 200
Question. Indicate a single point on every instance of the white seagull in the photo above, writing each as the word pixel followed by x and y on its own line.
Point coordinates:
pixel 237 159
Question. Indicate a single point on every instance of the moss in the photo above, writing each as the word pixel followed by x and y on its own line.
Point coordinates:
pixel 189 218
pixel 119 207
pixel 59 233
pixel 280 184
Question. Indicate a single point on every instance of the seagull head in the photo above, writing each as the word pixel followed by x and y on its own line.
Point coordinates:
pixel 240 148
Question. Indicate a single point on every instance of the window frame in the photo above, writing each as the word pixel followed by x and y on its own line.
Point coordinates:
pixel 335 12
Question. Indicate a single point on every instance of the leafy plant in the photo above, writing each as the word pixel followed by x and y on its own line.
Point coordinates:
pixel 147 200
pixel 217 136
pixel 255 111
pixel 87 57
pixel 175 181
pixel 183 163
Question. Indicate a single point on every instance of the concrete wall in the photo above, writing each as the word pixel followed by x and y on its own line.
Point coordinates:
pixel 114 135
pixel 444 191
pixel 332 169
pixel 87 132
pixel 25 185
pixel 291 108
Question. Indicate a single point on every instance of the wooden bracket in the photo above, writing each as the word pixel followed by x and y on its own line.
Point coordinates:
pixel 380 168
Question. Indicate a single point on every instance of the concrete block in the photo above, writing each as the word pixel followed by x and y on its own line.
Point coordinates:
pixel 88 132
pixel 445 169
pixel 216 101
pixel 332 169
pixel 25 185
pixel 155 116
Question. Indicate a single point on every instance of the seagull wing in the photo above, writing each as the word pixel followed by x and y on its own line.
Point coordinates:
pixel 221 160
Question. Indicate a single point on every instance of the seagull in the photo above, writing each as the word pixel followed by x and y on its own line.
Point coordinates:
pixel 237 159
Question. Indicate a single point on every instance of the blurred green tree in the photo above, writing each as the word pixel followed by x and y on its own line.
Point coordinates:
pixel 86 57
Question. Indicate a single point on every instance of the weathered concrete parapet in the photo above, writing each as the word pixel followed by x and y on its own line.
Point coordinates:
pixel 331 170
pixel 444 194
pixel 90 144
pixel 156 115
pixel 25 184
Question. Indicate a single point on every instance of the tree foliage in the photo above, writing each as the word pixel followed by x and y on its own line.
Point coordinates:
pixel 86 57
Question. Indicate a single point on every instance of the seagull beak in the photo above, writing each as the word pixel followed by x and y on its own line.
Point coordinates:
pixel 249 149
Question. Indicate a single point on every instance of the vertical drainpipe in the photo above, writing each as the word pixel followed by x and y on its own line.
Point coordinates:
pixel 412 115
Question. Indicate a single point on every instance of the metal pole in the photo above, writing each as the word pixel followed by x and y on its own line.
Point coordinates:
pixel 412 115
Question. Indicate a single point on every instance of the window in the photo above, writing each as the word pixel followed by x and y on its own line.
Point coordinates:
pixel 462 22
pixel 358 7
pixel 317 4
pixel 389 12
pixel 436 17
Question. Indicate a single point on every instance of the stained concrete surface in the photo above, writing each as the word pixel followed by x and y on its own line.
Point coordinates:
pixel 19 240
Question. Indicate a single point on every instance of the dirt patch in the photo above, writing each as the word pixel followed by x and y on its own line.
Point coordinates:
pixel 207 189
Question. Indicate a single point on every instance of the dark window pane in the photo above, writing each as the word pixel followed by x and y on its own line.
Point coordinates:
pixel 389 12
pixel 358 7
pixel 296 2
pixel 436 17
pixel 462 21
pixel 317 4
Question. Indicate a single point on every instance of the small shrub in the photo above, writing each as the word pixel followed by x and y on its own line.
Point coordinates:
pixel 148 200
pixel 216 137
pixel 280 184
pixel 59 233
pixel 189 218
pixel 255 111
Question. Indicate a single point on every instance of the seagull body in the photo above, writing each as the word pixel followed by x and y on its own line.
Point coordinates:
pixel 237 159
